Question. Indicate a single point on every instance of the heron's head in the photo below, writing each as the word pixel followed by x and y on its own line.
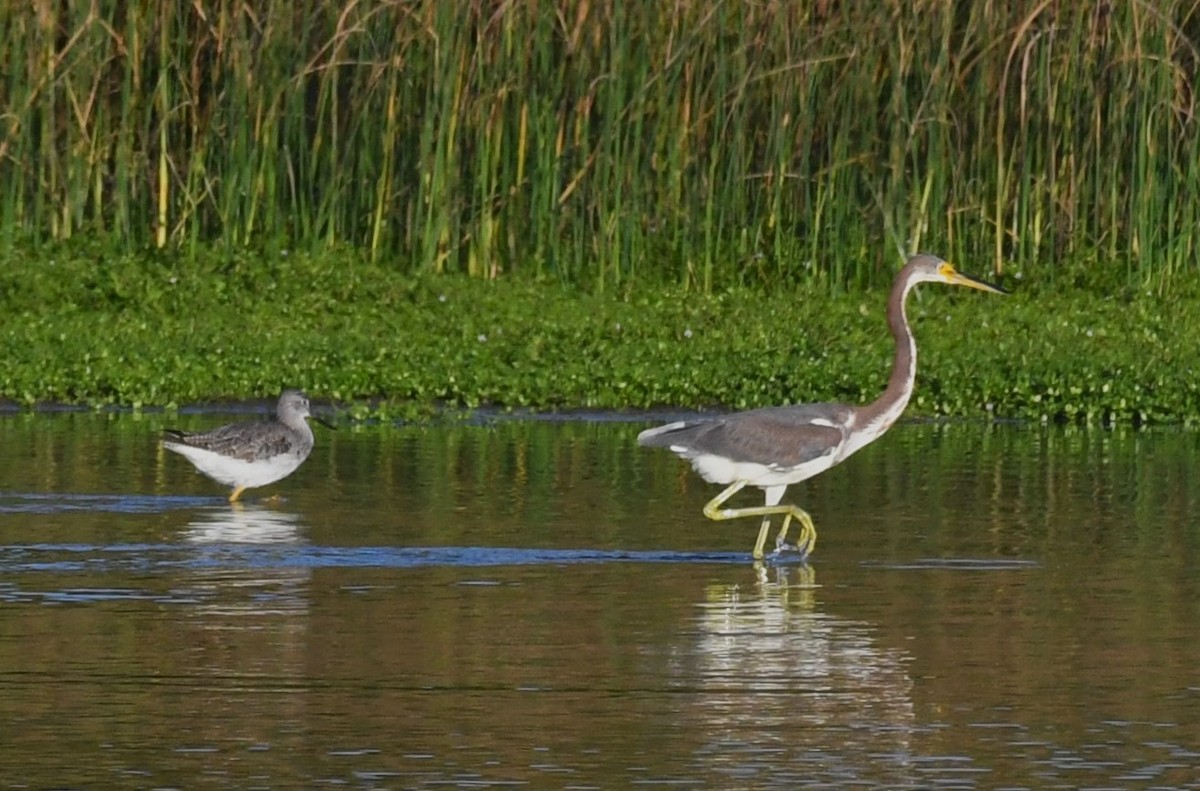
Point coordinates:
pixel 928 268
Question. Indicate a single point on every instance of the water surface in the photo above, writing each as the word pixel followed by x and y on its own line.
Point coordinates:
pixel 541 604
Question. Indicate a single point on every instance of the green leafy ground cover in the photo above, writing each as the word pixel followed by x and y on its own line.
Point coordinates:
pixel 82 326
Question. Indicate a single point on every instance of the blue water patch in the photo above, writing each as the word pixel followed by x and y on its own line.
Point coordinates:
pixel 232 555
pixel 56 503
pixel 419 557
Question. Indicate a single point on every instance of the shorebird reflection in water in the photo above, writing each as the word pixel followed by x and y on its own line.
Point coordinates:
pixel 248 455
pixel 773 448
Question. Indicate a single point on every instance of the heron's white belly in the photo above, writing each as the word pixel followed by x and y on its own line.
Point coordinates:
pixel 716 469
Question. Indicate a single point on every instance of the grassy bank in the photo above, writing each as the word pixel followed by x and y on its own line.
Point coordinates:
pixel 711 144
pixel 88 326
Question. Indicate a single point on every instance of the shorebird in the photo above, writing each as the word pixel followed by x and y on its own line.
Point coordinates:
pixel 774 447
pixel 248 455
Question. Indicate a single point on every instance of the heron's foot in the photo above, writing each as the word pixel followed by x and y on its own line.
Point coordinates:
pixel 787 554
pixel 785 549
pixel 807 541
pixel 803 546
pixel 782 546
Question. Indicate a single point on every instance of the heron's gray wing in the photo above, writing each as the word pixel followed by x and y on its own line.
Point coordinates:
pixel 245 441
pixel 780 436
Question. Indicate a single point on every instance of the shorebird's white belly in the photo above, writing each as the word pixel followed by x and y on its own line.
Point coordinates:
pixel 236 472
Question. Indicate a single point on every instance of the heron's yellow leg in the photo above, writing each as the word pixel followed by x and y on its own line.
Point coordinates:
pixel 763 529
pixel 808 535
pixel 236 493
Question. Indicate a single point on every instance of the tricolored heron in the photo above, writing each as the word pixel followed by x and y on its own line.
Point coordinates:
pixel 774 447
pixel 248 455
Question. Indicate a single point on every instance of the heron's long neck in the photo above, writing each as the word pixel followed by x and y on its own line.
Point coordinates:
pixel 883 411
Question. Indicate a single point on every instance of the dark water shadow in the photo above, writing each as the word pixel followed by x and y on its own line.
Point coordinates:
pixel 955 564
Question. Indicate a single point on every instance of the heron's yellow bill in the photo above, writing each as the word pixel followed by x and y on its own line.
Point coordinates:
pixel 954 277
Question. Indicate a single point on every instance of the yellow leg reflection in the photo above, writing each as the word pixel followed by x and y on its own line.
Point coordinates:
pixel 792 585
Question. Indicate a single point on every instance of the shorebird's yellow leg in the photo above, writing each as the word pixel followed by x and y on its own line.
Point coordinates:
pixel 236 493
pixel 808 532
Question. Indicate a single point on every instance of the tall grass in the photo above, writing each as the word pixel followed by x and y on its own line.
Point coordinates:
pixel 597 141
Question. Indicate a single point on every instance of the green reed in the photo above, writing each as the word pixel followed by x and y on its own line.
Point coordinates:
pixel 607 141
